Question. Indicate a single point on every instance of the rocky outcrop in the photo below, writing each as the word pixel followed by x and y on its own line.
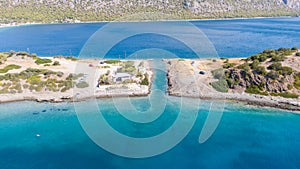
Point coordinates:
pixel 240 80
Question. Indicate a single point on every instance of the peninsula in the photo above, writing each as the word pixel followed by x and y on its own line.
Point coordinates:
pixel 270 78
pixel 25 76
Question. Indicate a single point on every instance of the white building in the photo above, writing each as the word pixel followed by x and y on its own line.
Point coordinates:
pixel 120 77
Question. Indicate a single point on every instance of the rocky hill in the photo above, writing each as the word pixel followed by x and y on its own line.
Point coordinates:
pixel 270 73
pixel 96 10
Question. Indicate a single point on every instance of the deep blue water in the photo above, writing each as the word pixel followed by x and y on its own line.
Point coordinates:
pixel 231 38
pixel 246 137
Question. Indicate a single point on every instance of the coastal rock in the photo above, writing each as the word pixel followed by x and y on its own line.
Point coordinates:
pixel 242 81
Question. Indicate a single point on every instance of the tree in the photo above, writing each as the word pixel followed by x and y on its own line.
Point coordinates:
pixel 260 70
pixel 295 48
pixel 56 63
pixel 275 66
pixel 273 75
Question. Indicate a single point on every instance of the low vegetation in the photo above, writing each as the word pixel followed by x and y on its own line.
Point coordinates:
pixel 220 85
pixel 128 67
pixel 297 81
pixel 40 61
pixel 112 61
pixel 82 85
pixel 71 11
pixel 145 81
pixel 9 67
pixel 262 74
pixel 56 63
pixel 39 80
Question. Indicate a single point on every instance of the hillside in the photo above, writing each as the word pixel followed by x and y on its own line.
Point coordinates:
pixel 270 73
pixel 46 11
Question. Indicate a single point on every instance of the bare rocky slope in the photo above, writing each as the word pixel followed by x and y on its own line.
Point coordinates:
pixel 96 10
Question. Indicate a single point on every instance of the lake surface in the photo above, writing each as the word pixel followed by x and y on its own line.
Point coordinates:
pixel 49 136
pixel 231 38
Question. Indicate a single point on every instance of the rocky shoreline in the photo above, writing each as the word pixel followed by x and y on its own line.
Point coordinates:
pixel 53 98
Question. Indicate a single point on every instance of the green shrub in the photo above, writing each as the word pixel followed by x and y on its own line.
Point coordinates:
pixel 297 81
pixel 278 58
pixel 228 65
pixel 275 66
pixel 289 95
pixel 260 70
pixel 218 73
pixel 9 67
pixel 3 58
pixel 285 51
pixel 253 89
pixel 56 63
pixel 269 51
pixel 72 58
pixel 273 75
pixel 295 48
pixel 145 81
pixel 64 89
pixel 298 54
pixel 112 61
pixel 220 85
pixel 260 57
pixel 244 66
pixel 34 55
pixel 23 53
pixel 34 80
pixel 127 69
pixel 286 71
pixel 39 88
pixel 254 64
pixel 290 87
pixel 42 61
pixel 82 85
pixel 25 86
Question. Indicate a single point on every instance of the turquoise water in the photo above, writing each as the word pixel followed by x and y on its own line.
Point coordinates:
pixel 247 137
pixel 231 38
pixel 49 136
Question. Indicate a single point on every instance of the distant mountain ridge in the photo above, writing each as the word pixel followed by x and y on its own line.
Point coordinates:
pixel 95 10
